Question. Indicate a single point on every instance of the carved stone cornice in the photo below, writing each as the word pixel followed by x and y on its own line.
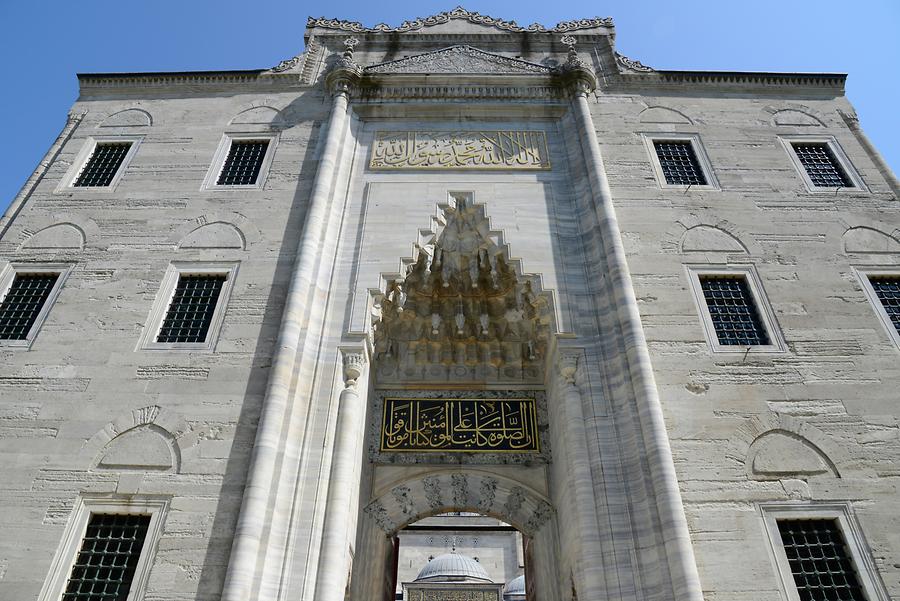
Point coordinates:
pixel 461 14
pixel 631 65
pixel 827 82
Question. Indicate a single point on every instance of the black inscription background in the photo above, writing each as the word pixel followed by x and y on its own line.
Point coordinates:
pixel 472 425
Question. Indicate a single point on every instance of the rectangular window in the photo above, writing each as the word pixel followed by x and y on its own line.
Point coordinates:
pixel 101 167
pixel 23 303
pixel 819 560
pixel 243 163
pixel 882 287
pixel 679 163
pixel 108 557
pixel 733 309
pixel 107 549
pixel 887 290
pixel 191 310
pixel 821 165
pixel 27 292
pixel 733 312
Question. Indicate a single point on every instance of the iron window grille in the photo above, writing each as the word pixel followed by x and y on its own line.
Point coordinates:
pixel 821 165
pixel 101 167
pixel 819 560
pixel 733 312
pixel 190 312
pixel 679 163
pixel 23 303
pixel 108 558
pixel 887 289
pixel 243 163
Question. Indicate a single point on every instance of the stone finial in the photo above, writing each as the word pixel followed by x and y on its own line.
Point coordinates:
pixel 568 365
pixel 345 73
pixel 575 73
pixel 354 363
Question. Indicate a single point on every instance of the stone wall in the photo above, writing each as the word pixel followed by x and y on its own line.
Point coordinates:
pixel 828 399
pixel 83 382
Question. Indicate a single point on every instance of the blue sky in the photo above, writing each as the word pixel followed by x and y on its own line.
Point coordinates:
pixel 44 44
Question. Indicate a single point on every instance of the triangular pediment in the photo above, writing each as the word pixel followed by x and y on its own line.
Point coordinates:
pixel 460 60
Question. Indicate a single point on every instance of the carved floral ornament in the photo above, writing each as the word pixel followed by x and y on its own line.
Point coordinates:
pixel 462 310
pixel 458 13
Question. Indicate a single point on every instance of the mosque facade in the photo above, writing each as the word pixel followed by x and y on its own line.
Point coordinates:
pixel 453 310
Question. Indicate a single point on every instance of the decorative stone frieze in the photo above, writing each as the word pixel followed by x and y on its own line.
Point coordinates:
pixel 511 150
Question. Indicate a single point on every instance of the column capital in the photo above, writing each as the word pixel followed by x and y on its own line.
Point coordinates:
pixel 567 363
pixel 354 362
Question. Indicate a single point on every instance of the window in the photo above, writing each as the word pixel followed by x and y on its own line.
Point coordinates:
pixel 242 161
pixel 732 310
pixel 679 161
pixel 100 163
pixel 242 165
pixel 882 287
pixel 26 294
pixel 103 164
pixel 105 565
pixel 821 164
pixel 107 550
pixel 819 561
pixel 820 553
pixel 190 309
pixel 734 314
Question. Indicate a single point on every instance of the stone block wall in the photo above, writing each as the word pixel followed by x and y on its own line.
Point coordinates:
pixel 817 423
pixel 180 424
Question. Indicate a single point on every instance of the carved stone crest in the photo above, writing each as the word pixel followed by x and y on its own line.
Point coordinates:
pixel 462 14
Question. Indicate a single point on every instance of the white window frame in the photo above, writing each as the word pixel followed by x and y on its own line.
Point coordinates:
pixel 164 299
pixel 699 151
pixel 860 555
pixel 218 161
pixel 837 152
pixel 863 274
pixel 8 274
pixel 85 506
pixel 67 184
pixel 754 284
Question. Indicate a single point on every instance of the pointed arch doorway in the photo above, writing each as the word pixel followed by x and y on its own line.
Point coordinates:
pixel 459 420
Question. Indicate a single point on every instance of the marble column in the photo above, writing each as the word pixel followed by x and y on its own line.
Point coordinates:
pixel 579 461
pixel 343 486
pixel 254 518
pixel 676 536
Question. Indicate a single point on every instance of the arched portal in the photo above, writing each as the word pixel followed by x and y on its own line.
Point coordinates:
pixel 459 418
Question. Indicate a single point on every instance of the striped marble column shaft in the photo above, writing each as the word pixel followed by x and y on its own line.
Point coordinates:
pixel 676 537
